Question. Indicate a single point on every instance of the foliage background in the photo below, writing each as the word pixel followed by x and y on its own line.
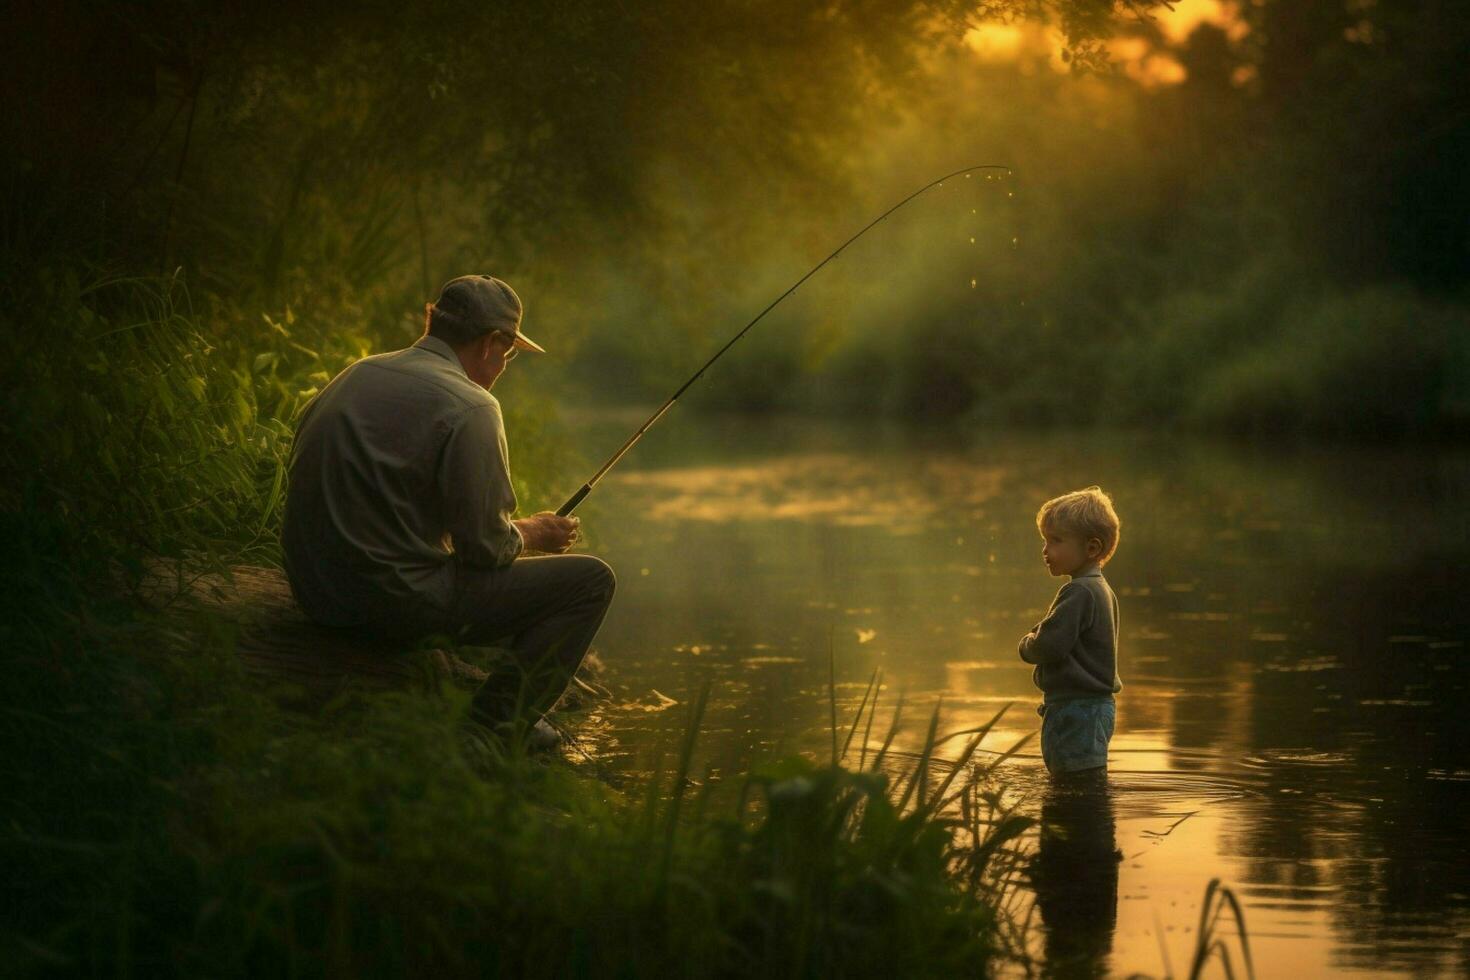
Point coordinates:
pixel 208 209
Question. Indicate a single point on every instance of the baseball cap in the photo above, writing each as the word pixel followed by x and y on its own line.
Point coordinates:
pixel 486 303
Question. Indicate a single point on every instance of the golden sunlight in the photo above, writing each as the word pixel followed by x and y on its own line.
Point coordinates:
pixel 1189 14
pixel 1150 64
pixel 1026 43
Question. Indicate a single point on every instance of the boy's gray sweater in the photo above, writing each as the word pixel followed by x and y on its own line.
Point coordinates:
pixel 1075 648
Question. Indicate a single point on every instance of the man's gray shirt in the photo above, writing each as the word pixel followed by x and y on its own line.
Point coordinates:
pixel 1075 648
pixel 399 474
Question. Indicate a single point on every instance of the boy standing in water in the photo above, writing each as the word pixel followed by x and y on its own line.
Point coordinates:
pixel 1075 648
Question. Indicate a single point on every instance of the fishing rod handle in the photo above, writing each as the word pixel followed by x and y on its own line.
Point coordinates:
pixel 576 499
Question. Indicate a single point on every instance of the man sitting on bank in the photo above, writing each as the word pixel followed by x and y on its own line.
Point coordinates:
pixel 398 509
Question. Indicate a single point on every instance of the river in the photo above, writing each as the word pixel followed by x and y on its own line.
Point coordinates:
pixel 1294 715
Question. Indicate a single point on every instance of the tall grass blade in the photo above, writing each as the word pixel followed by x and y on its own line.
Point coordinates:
pixel 1163 946
pixel 681 780
pixel 921 771
pixel 892 732
pixel 1009 752
pixel 868 728
pixel 1217 896
pixel 938 800
pixel 1245 948
pixel 980 728
pixel 857 718
pixel 832 687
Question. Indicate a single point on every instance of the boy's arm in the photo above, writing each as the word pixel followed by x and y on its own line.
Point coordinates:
pixel 1056 635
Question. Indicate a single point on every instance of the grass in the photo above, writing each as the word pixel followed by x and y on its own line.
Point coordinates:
pixel 165 814
pixel 1208 944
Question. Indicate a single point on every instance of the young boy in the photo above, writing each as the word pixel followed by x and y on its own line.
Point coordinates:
pixel 1075 648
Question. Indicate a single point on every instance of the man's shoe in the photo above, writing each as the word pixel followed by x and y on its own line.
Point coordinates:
pixel 540 737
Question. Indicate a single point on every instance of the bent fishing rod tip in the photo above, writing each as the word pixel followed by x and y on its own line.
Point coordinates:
pixel 581 494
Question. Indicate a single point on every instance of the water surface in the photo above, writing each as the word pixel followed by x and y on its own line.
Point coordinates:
pixel 1293 630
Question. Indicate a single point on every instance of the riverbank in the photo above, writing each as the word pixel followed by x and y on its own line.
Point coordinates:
pixel 165 815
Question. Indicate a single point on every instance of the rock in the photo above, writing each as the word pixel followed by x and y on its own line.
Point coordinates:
pixel 276 640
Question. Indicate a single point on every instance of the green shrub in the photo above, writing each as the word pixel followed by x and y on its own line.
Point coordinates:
pixel 163 814
pixel 1373 362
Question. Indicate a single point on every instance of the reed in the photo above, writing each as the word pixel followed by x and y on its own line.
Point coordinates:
pixel 1208 944
pixel 210 830
pixel 163 813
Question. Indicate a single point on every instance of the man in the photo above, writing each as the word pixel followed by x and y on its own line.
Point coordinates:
pixel 398 509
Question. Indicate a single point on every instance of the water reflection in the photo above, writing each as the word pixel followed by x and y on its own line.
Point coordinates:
pixel 1075 875
pixel 1293 649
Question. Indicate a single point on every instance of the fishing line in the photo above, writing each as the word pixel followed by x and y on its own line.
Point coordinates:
pixel 581 494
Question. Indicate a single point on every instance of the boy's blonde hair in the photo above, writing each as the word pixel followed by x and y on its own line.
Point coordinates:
pixel 1086 512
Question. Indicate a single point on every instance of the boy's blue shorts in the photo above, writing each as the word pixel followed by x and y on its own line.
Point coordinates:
pixel 1075 733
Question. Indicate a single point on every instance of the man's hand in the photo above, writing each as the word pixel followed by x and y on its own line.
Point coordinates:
pixel 549 533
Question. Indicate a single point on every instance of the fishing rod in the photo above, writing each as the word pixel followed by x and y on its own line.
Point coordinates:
pixel 581 494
